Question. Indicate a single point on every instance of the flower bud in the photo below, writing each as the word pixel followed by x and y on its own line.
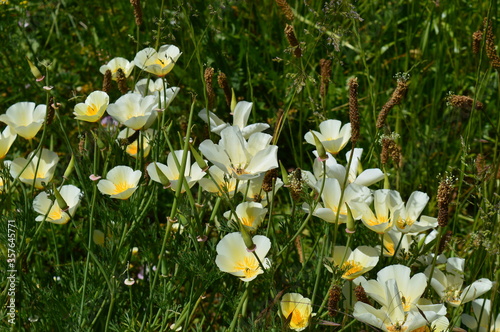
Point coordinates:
pixel 247 238
pixel 199 159
pixel 35 71
pixel 233 100
pixel 70 167
pixel 60 200
pixel 350 226
pixel 322 156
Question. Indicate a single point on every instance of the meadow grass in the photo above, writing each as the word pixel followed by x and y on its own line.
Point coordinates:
pixel 148 262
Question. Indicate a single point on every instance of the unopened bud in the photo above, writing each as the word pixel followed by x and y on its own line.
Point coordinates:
pixel 233 100
pixel 163 178
pixel 247 238
pixel 35 71
pixel 199 159
pixel 322 156
pixel 70 167
pixel 350 226
pixel 60 200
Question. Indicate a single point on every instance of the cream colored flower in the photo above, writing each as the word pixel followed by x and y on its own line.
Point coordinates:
pixel 7 137
pixel 234 258
pixel 132 148
pixel 379 220
pixel 354 263
pixel 406 215
pixel 241 114
pixel 297 310
pixel 484 319
pixel 24 118
pixel 219 182
pixel 118 63
pixel 159 63
pixel 93 108
pixel 449 286
pixel 332 205
pixel 133 110
pixel 331 135
pixel 45 206
pixel 120 182
pixel 192 173
pixel 38 168
pixel 239 158
pixel 164 95
pixel 250 214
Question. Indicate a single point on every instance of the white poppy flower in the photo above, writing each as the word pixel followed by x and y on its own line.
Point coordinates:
pixel 397 294
pixel 219 182
pixel 379 220
pixel 55 214
pixel 120 182
pixel 241 114
pixel 40 169
pixel 7 137
pixel 156 88
pixel 250 214
pixel 133 110
pixel 234 258
pixel 332 205
pixel 331 135
pixel 297 310
pixel 192 173
pixel 132 149
pixel 159 63
pixel 482 320
pixel 239 158
pixel 117 63
pixel 93 108
pixel 449 286
pixel 354 263
pixel 24 118
pixel 405 215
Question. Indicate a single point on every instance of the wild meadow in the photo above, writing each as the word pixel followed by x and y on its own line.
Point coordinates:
pixel 263 165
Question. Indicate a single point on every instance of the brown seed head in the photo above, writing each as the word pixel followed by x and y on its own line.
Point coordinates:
pixel 296 184
pixel 326 71
pixel 51 111
pixel 292 40
pixel 465 103
pixel 353 109
pixel 224 85
pixel 390 149
pixel 269 179
pixel 477 37
pixel 443 198
pixel 285 9
pixel 360 293
pixel 209 88
pixel 106 82
pixel 334 296
pixel 122 81
pixel 136 4
pixel 396 98
pixel 491 51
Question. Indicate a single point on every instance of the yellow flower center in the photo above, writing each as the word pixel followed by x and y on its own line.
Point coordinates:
pixel 402 223
pixel 406 303
pixel 396 327
pixel 240 171
pixel 249 266
pixel 30 175
pixel 92 109
pixel 453 295
pixel 297 320
pixel 55 212
pixel 247 221
pixel 120 187
pixel 377 221
pixel 132 149
pixel 351 267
